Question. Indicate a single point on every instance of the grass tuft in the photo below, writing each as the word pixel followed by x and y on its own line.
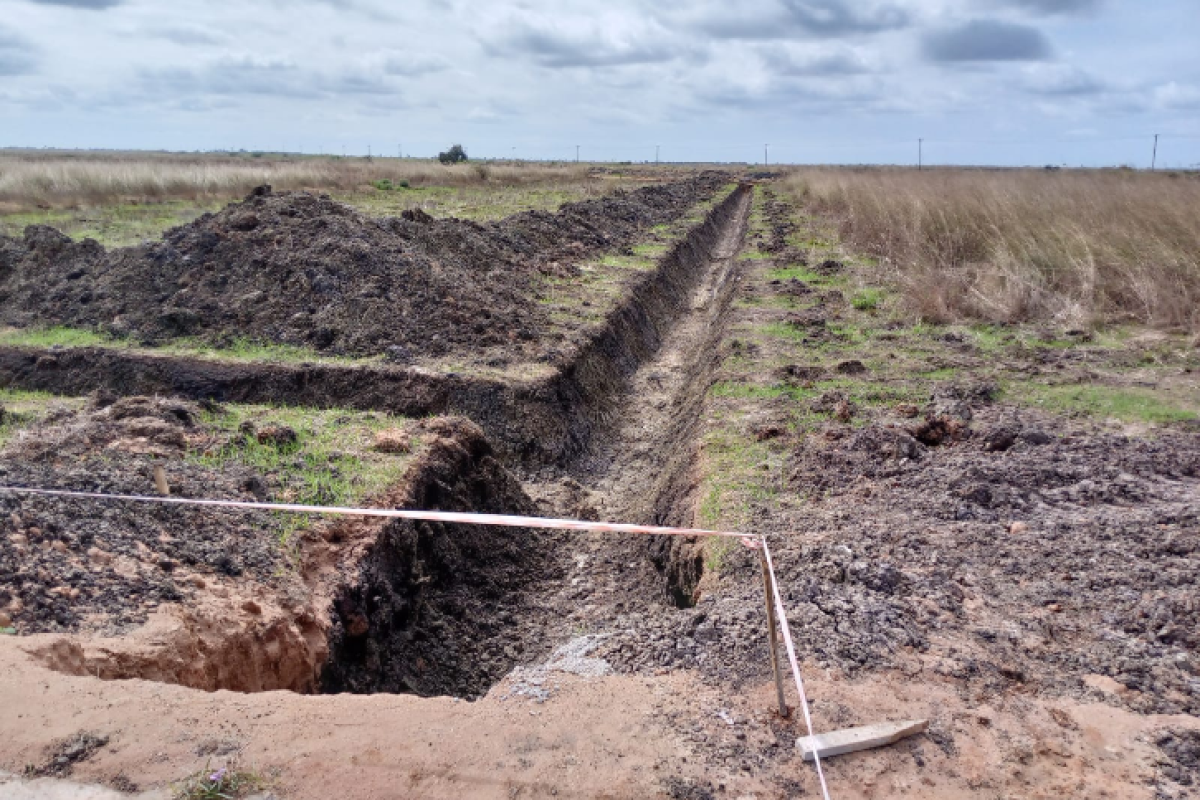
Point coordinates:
pixel 219 784
pixel 1107 402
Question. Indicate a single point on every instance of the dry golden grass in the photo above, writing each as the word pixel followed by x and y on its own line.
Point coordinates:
pixel 29 179
pixel 1075 248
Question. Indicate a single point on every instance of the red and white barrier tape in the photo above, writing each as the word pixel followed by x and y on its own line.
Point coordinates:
pixel 791 652
pixel 504 520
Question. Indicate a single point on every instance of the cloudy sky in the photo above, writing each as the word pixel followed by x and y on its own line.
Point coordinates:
pixel 842 81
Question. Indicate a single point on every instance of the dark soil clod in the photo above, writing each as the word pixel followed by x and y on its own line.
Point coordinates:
pixel 63 755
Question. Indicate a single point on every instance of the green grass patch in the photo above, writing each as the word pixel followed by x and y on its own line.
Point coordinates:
pixel 244 349
pixel 795 272
pixel 940 374
pixel 331 462
pixel 56 336
pixel 746 391
pixel 739 473
pixel 867 299
pixel 386 185
pixel 117 225
pixel 234 349
pixel 1128 404
pixel 781 330
pixel 653 250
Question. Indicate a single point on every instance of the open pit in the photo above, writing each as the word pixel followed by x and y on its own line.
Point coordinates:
pixel 247 601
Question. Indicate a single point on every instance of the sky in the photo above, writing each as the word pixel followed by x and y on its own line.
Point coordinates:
pixel 1003 82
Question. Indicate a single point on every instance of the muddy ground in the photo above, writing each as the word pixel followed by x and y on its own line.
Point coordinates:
pixel 295 268
pixel 995 530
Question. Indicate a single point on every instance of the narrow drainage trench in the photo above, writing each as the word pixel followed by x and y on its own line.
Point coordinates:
pixel 452 609
pixel 642 469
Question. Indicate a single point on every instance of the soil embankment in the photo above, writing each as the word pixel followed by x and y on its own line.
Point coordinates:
pixel 300 269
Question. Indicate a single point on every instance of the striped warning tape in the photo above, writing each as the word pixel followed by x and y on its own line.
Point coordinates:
pixel 504 520
pixel 791 652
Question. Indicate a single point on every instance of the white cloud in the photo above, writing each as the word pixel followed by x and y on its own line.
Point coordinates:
pixel 700 77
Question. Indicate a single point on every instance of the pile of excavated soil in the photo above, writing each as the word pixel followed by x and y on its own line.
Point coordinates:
pixel 76 565
pixel 301 269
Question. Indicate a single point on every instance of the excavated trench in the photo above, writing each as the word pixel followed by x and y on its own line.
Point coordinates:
pixel 451 609
pixel 434 609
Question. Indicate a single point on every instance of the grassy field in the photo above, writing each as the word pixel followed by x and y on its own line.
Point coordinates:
pixel 1074 248
pixel 124 198
pixel 867 357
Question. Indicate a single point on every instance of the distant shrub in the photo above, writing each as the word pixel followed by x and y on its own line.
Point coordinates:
pixel 455 155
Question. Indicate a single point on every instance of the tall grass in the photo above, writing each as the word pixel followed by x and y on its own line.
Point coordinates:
pixel 1074 248
pixel 29 179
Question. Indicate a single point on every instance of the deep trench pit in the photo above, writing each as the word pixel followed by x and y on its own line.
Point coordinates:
pixel 441 609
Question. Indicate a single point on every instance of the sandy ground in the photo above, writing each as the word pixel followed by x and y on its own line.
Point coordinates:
pixel 610 736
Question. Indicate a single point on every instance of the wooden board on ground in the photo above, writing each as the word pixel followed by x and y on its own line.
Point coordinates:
pixel 849 740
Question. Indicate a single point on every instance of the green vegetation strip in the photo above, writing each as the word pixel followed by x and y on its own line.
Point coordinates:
pixel 1128 404
pixel 235 349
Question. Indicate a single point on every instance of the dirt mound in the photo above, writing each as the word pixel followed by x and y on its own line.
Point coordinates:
pixel 68 565
pixel 1013 543
pixel 302 269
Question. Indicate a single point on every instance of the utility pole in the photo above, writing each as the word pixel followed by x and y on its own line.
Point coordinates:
pixel 399 151
pixel 920 154
pixel 1154 158
pixel 576 154
pixel 655 154
pixel 368 152
pixel 766 160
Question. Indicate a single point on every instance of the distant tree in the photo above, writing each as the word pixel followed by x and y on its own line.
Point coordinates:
pixel 454 155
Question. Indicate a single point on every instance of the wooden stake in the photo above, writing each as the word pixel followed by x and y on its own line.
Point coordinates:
pixel 772 638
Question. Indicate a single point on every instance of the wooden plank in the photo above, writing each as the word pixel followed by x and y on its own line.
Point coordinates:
pixel 850 740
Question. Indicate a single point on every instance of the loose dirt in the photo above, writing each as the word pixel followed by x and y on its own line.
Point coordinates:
pixel 70 566
pixel 300 269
